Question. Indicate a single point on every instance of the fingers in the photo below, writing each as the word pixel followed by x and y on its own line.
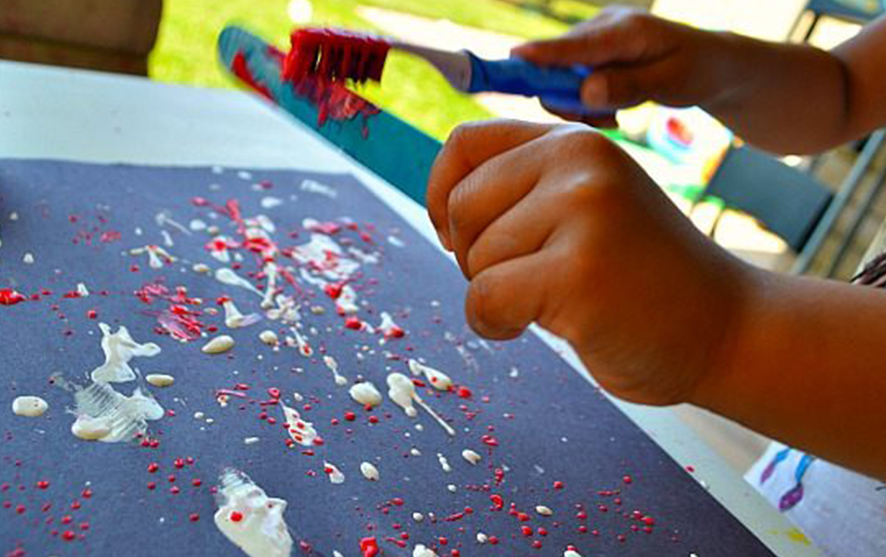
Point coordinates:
pixel 490 190
pixel 504 299
pixel 606 121
pixel 521 230
pixel 621 87
pixel 469 146
pixel 617 36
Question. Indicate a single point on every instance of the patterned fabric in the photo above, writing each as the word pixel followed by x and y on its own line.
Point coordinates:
pixel 843 512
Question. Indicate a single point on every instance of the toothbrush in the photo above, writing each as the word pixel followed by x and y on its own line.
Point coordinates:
pixel 340 55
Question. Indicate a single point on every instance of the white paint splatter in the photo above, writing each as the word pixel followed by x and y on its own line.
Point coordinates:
pixel 250 519
pixel 218 345
pixel 120 349
pixel 365 394
pixel 333 473
pixel 369 471
pixel 29 406
pixel 339 379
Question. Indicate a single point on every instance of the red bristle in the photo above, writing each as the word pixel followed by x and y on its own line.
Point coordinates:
pixel 335 54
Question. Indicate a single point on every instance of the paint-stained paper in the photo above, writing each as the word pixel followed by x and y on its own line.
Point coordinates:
pixel 79 223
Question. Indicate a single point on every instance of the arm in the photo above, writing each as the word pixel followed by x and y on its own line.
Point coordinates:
pixel 556 225
pixel 780 97
pixel 807 366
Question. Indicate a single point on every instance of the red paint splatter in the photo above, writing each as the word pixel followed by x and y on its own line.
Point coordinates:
pixel 241 70
pixel 369 547
pixel 9 297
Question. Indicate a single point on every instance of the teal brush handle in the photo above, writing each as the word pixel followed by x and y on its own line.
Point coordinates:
pixel 558 88
pixel 396 151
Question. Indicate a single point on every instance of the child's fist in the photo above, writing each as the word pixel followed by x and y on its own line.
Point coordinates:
pixel 557 225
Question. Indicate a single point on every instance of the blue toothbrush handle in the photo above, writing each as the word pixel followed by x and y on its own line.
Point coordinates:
pixel 556 87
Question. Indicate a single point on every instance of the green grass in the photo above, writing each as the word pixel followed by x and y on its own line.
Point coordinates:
pixel 185 51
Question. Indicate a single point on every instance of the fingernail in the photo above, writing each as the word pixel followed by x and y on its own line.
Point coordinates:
pixel 595 92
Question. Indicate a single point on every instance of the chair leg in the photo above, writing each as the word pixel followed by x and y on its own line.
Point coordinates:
pixel 857 220
pixel 712 233
pixel 835 209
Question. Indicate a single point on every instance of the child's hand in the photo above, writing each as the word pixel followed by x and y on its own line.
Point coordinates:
pixel 637 57
pixel 557 225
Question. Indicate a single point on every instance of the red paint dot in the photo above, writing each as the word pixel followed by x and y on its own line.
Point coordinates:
pixel 559 485
pixel 43 484
pixel 196 482
pixel 526 530
pixel 236 516
pixel 194 517
pixel 87 493
pixel 152 485
pixel 92 314
pixel 628 480
pixel 153 467
pixel 69 535
pixel 20 509
pixel 350 416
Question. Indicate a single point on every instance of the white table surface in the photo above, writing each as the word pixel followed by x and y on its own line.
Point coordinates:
pixel 94 117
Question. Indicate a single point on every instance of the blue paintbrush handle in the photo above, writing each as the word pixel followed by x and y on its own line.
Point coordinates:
pixel 558 88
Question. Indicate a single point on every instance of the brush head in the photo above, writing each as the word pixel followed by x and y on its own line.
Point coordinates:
pixel 335 54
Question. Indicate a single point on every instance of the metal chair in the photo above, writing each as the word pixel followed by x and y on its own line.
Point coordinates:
pixel 856 11
pixel 787 202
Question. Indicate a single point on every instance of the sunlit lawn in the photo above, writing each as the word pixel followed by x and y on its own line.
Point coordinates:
pixel 185 52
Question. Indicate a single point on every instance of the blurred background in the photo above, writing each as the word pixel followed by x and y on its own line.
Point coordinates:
pixel 812 215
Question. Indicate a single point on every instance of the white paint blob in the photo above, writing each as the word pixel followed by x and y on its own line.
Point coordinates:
pixel 422 551
pixel 571 553
pixel 269 337
pixel 226 275
pixel 301 431
pixel 218 345
pixel 339 379
pixel 543 510
pixel 270 202
pixel 234 319
pixel 250 519
pixel 369 471
pixel 120 349
pixel 104 414
pixel 160 379
pixel 29 406
pixel 333 473
pixel 201 268
pixel 267 301
pixel 436 378
pixel 346 303
pixel 365 394
pixel 157 256
pixel 402 391
pixel 304 347
pixel 473 457
pixel 444 463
